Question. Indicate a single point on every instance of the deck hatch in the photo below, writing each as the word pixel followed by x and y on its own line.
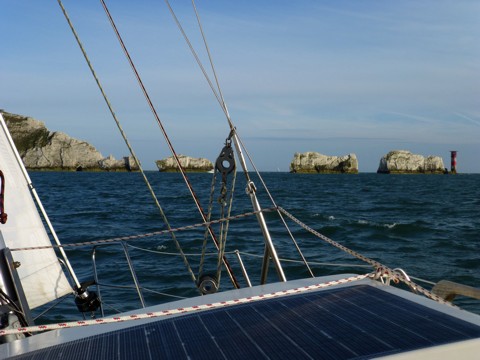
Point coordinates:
pixel 351 322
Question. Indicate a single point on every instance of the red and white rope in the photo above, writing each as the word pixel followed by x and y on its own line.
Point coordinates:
pixel 71 324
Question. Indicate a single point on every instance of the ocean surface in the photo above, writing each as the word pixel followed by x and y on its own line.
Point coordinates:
pixel 427 225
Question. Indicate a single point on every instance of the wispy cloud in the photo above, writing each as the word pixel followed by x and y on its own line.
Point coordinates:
pixel 471 120
pixel 373 73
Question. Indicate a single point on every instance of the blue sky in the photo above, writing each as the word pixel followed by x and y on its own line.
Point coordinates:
pixel 335 77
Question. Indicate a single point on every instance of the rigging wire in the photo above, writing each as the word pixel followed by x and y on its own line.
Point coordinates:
pixel 209 215
pixel 55 304
pixel 194 53
pixel 223 203
pixel 251 189
pixel 219 95
pixel 248 254
pixel 207 48
pixel 167 139
pixel 124 136
pixel 140 236
pixel 237 140
pixel 225 225
pixel 294 241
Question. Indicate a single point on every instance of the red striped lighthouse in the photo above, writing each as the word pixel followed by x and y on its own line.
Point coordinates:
pixel 453 163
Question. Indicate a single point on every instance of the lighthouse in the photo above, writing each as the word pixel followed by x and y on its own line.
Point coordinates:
pixel 453 163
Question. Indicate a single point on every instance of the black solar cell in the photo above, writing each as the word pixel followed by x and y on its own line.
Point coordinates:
pixel 352 322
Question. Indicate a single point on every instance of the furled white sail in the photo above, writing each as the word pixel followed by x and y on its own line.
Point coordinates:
pixel 40 272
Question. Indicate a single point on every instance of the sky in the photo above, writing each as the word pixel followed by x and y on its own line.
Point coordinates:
pixel 335 77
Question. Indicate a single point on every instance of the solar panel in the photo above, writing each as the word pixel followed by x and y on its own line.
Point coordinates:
pixel 351 322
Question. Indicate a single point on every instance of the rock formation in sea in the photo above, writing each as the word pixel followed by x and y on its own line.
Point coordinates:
pixel 314 162
pixel 404 162
pixel 189 164
pixel 41 149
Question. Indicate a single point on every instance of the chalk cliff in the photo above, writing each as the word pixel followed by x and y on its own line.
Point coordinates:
pixel 314 162
pixel 404 162
pixel 41 149
pixel 189 164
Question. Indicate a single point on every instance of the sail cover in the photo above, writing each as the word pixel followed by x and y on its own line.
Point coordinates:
pixel 40 272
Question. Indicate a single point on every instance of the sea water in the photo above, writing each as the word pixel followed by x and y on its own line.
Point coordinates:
pixel 427 225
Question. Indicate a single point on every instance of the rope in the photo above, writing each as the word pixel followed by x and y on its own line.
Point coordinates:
pixel 167 139
pixel 226 153
pixel 223 105
pixel 189 309
pixel 372 262
pixel 141 236
pixel 396 276
pixel 124 136
pixel 209 214
pixel 382 270
pixel 224 226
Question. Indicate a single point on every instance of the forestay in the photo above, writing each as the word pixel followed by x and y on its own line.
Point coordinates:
pixel 40 272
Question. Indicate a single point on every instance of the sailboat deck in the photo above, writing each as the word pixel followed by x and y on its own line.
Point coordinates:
pixel 355 321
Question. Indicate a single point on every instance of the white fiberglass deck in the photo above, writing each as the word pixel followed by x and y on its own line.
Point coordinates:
pixel 360 320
